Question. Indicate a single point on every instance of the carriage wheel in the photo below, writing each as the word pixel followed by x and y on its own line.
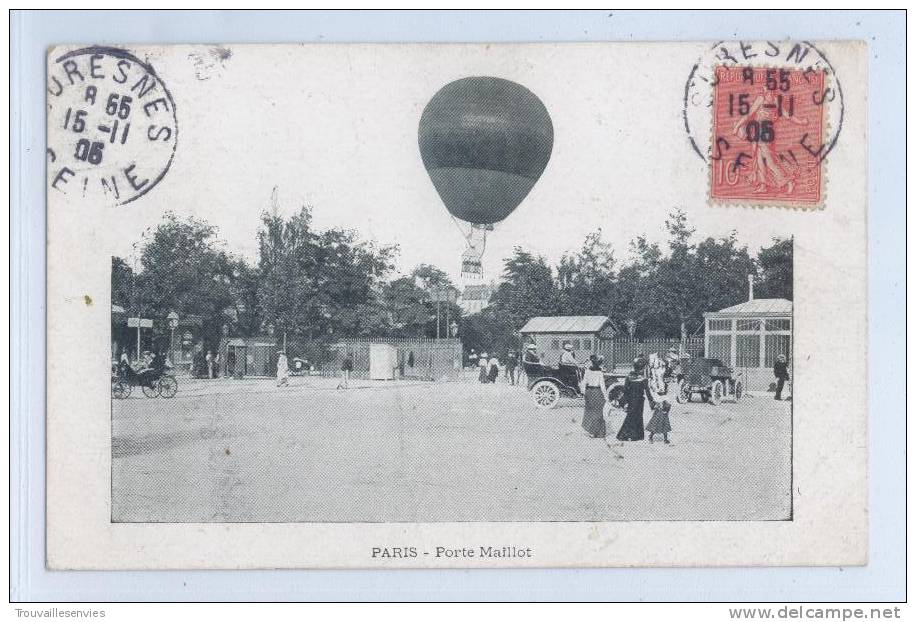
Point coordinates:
pixel 151 390
pixel 168 386
pixel 683 392
pixel 739 390
pixel 546 394
pixel 715 394
pixel 120 389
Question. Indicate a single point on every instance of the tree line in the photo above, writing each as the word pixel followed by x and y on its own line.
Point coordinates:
pixel 315 286
pixel 661 291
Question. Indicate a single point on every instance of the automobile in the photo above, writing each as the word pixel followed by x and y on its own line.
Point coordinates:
pixel 547 384
pixel 709 378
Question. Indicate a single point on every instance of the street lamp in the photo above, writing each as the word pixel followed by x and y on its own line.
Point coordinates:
pixel 172 317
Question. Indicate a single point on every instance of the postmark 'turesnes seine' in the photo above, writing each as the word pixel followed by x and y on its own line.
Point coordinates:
pixel 764 116
pixel 112 129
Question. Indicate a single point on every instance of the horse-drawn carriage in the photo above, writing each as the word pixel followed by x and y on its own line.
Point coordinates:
pixel 711 379
pixel 547 384
pixel 153 381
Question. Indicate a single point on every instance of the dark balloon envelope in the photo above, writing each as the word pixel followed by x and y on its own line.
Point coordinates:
pixel 485 142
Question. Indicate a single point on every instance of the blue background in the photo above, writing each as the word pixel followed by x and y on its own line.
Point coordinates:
pixel 882 580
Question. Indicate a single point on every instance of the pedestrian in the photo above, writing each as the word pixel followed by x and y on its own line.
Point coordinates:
pixel 635 393
pixel 493 374
pixel 781 371
pixel 216 365
pixel 472 359
pixel 210 364
pixel 511 366
pixel 482 367
pixel 595 392
pixel 660 423
pixel 282 369
pixel 346 367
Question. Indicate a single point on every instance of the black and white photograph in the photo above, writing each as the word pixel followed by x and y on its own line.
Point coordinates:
pixel 293 365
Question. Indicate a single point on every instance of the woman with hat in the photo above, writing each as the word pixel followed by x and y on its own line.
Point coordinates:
pixel 482 365
pixel 595 390
pixel 635 393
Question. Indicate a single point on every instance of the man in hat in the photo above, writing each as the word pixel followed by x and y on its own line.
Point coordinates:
pixel 781 371
pixel 511 365
pixel 531 354
pixel 569 365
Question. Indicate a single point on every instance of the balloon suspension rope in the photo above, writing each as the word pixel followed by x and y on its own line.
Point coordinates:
pixel 470 233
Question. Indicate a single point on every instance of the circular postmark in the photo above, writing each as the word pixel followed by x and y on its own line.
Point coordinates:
pixel 764 116
pixel 112 129
pixel 803 56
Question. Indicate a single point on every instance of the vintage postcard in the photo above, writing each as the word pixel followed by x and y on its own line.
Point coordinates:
pixel 412 306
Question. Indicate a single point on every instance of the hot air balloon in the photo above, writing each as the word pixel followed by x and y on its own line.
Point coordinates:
pixel 484 142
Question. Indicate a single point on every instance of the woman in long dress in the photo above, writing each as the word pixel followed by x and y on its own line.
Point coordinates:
pixel 493 374
pixel 282 369
pixel 595 392
pixel 483 366
pixel 635 393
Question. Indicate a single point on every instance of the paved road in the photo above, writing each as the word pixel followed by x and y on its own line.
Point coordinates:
pixel 248 451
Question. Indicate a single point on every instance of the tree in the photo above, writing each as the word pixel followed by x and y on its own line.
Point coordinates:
pixel 489 331
pixel 286 264
pixel 122 284
pixel 184 270
pixel 674 291
pixel 318 283
pixel 407 307
pixel 527 290
pixel 586 280
pixel 776 262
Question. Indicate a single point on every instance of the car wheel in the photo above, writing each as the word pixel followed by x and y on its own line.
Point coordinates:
pixel 715 394
pixel 151 391
pixel 545 394
pixel 683 393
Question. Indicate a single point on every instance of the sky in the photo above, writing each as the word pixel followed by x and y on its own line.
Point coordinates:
pixel 335 127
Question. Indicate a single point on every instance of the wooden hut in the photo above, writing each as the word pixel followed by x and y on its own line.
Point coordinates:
pixel 588 334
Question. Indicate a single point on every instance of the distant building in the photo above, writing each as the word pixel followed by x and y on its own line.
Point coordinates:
pixel 475 298
pixel 588 334
pixel 749 336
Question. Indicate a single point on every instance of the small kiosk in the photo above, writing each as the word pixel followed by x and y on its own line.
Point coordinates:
pixel 383 360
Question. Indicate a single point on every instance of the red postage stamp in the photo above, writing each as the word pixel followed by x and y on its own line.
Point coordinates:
pixel 767 137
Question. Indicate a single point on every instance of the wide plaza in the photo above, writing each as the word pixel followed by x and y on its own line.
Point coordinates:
pixel 246 450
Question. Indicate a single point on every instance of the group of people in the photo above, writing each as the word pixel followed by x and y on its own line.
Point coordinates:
pixel 488 367
pixel 346 368
pixel 635 394
pixel 151 364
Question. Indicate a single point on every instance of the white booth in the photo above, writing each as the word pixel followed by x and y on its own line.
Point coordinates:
pixel 383 360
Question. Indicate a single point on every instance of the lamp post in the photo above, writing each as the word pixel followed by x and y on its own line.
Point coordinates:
pixel 172 317
pixel 451 298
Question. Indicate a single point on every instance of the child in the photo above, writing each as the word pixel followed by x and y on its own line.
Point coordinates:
pixel 659 423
